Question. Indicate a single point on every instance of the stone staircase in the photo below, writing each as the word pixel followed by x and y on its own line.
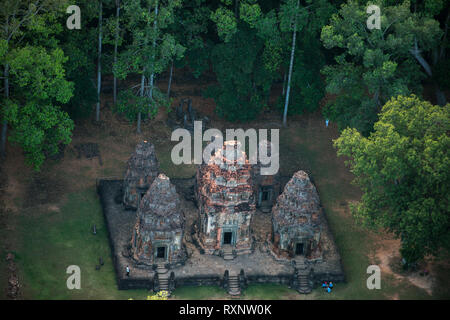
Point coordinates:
pixel 303 276
pixel 163 277
pixel 233 285
pixel 228 252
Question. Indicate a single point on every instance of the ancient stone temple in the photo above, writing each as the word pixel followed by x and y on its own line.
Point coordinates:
pixel 266 187
pixel 226 202
pixel 296 220
pixel 159 228
pixel 142 168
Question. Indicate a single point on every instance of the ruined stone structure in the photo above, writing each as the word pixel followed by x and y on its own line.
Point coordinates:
pixel 226 201
pixel 185 116
pixel 159 227
pixel 266 187
pixel 296 220
pixel 142 168
pixel 299 251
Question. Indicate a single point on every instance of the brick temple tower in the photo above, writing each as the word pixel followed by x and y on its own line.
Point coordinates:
pixel 159 228
pixel 226 202
pixel 297 220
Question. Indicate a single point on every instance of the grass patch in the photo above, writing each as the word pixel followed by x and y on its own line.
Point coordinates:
pixel 269 292
pixel 3 274
pixel 198 293
pixel 54 240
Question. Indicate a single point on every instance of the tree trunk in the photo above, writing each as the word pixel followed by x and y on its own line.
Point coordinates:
pixel 115 50
pixel 3 142
pixel 441 99
pixel 150 92
pixel 440 96
pixel 155 26
pixel 5 122
pixel 139 123
pixel 170 80
pixel 99 62
pixel 416 53
pixel 376 99
pixel 141 94
pixel 291 63
pixel 284 84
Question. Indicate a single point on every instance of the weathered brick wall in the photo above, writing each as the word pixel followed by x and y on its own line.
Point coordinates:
pixel 120 224
pixel 225 197
pixel 297 218
pixel 142 169
pixel 159 222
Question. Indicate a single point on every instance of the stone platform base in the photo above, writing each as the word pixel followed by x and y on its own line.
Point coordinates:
pixel 201 269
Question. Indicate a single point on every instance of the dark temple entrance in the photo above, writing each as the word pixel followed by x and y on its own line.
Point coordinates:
pixel 265 198
pixel 299 248
pixel 161 252
pixel 227 237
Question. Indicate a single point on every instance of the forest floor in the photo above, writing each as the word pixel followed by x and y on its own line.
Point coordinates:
pixel 47 217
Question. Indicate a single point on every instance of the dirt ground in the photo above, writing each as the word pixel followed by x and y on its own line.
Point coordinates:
pixel 389 260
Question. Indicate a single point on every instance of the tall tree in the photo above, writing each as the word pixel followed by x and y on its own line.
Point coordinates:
pixel 245 61
pixel 402 169
pixel 191 28
pixel 116 44
pixel 99 59
pixel 82 60
pixel 146 24
pixel 113 35
pixel 291 64
pixel 307 87
pixel 34 78
pixel 434 57
pixel 15 17
pixel 378 62
pixel 271 26
pixel 5 120
pixel 38 124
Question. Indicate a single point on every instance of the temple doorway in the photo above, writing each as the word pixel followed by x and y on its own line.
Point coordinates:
pixel 265 196
pixel 161 252
pixel 227 237
pixel 299 248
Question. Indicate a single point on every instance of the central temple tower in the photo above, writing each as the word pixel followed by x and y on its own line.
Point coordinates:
pixel 226 201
